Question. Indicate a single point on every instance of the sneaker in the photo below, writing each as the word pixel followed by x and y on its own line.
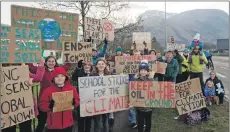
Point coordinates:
pixel 134 125
pixel 176 118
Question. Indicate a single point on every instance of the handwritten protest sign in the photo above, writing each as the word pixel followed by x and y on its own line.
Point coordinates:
pixel 55 26
pixel 152 94
pixel 17 104
pixel 179 47
pixel 98 29
pixel 140 38
pixel 73 51
pixel 20 45
pixel 130 64
pixel 63 101
pixel 103 94
pixel 189 96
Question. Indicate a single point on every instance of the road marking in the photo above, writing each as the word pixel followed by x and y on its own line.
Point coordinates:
pixel 224 68
pixel 220 75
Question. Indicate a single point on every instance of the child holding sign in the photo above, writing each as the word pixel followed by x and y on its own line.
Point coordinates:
pixel 58 121
pixel 144 115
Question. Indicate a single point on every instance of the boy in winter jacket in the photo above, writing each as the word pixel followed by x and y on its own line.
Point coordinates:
pixel 144 115
pixel 58 121
pixel 209 92
pixel 158 76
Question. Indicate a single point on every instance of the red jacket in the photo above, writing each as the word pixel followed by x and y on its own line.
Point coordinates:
pixel 58 120
pixel 46 80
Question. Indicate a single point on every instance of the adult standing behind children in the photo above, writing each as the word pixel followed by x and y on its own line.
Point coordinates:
pixel 185 66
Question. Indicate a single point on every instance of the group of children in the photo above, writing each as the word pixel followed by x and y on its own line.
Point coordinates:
pixel 53 78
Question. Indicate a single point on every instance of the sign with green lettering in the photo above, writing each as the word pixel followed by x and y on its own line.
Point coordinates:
pixel 20 45
pixel 55 26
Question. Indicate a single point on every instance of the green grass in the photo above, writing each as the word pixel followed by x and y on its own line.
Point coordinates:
pixel 163 121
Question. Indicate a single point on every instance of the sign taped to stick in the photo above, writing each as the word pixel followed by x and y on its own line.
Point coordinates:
pixel 55 26
pixel 17 104
pixel 140 38
pixel 20 45
pixel 73 51
pixel 103 94
pixel 63 101
pixel 152 94
pixel 189 96
pixel 99 29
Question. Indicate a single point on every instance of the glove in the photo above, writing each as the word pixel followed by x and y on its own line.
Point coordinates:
pixel 51 105
pixel 73 103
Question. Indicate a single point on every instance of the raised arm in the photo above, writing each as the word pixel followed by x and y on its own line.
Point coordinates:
pixel 102 52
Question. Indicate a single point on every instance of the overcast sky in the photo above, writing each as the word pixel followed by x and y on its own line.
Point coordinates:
pixel 136 8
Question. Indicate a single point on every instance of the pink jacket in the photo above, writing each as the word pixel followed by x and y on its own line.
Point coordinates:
pixel 37 78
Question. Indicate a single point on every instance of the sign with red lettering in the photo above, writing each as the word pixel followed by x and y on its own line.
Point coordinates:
pixel 103 94
pixel 17 104
pixel 152 94
pixel 189 96
pixel 98 29
pixel 130 64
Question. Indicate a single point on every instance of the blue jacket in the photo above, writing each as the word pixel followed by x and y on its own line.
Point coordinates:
pixel 101 53
pixel 193 44
pixel 208 93
pixel 207 54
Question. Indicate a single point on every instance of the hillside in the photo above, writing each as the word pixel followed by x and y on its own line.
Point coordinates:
pixel 212 24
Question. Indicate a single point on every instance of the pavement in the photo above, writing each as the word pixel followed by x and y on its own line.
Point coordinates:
pixel 221 67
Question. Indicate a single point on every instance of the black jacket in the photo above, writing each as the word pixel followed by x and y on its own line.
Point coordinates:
pixel 217 82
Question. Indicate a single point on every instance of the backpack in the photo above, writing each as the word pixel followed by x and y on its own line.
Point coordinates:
pixel 198 116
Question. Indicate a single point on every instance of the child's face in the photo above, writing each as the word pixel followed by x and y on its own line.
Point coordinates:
pixel 158 55
pixel 101 66
pixel 209 85
pixel 59 79
pixel 143 72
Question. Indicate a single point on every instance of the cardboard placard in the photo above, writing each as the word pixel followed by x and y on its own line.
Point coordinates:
pixel 140 37
pixel 103 94
pixel 98 29
pixel 179 47
pixel 17 104
pixel 63 101
pixel 73 51
pixel 152 94
pixel 55 26
pixel 130 64
pixel 20 45
pixel 189 96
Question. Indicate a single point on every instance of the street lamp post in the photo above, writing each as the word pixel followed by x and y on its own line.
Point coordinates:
pixel 165 26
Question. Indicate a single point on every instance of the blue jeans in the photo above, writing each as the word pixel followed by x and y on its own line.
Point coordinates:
pixel 132 115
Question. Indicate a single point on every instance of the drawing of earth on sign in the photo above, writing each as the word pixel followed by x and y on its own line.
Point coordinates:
pixel 50 29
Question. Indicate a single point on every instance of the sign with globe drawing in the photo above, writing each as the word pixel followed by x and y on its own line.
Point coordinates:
pixel 55 26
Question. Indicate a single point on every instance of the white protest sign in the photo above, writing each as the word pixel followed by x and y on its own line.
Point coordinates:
pixel 179 47
pixel 140 38
pixel 103 94
pixel 98 29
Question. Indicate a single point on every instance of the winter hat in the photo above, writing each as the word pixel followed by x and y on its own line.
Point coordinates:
pixel 186 50
pixel 57 71
pixel 197 36
pixel 118 49
pixel 144 65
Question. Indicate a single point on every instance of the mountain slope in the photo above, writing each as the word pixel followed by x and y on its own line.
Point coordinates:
pixel 212 24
